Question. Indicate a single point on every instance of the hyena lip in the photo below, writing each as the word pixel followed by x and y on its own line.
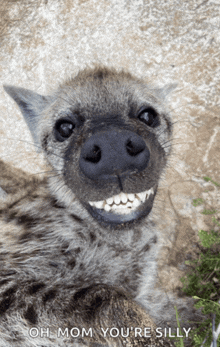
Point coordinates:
pixel 123 208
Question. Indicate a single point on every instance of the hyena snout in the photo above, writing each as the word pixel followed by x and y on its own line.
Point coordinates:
pixel 112 153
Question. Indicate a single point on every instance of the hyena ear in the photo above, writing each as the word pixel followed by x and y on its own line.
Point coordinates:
pixel 31 105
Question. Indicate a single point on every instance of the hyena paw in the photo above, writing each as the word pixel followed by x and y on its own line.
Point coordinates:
pixel 116 319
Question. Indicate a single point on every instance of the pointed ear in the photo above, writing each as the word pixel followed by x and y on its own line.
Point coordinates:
pixel 31 105
pixel 166 90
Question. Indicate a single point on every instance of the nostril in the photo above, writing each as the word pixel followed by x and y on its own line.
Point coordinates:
pixel 110 153
pixel 134 148
pixel 94 155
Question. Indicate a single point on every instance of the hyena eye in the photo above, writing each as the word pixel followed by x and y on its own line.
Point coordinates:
pixel 149 117
pixel 64 129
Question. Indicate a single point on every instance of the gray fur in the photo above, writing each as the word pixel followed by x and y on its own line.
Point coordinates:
pixel 59 266
pixel 3 194
pixel 31 105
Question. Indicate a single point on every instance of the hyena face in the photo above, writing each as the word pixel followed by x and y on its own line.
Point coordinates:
pixel 103 133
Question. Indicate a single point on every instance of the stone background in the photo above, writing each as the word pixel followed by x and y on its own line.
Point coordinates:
pixel 43 42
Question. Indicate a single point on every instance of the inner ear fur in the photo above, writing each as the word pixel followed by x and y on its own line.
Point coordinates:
pixel 31 105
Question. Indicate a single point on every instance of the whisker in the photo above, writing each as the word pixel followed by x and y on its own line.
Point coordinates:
pixel 34 145
pixel 170 140
pixel 54 176
pixel 45 172
pixel 25 141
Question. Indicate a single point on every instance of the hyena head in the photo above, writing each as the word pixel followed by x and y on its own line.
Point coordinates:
pixel 104 134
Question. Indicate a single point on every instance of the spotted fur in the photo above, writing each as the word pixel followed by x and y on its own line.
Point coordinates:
pixel 60 266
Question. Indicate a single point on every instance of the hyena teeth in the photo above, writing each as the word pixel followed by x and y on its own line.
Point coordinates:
pixel 98 204
pixel 131 197
pixel 145 195
pixel 124 198
pixel 149 192
pixel 107 207
pixel 142 196
pixel 136 203
pixel 122 201
pixel 117 199
pixel 110 201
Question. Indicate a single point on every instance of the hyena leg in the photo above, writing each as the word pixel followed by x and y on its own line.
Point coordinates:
pixel 12 180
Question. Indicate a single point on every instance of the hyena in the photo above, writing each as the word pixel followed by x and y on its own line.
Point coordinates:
pixel 79 247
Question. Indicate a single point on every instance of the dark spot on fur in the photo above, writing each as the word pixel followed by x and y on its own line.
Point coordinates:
pixel 5 304
pixel 136 269
pixel 53 264
pixel 9 292
pixel 77 250
pixel 26 236
pixel 49 295
pixel 76 218
pixel 80 294
pixel 3 282
pixel 40 234
pixel 154 239
pixel 146 248
pixel 8 298
pixel 88 300
pixel 16 255
pixel 8 273
pixel 64 251
pixel 65 245
pixel 54 203
pixel 35 288
pixel 96 303
pixel 72 263
pixel 34 197
pixel 14 203
pixel 81 235
pixel 44 142
pixel 99 74
pixel 31 315
pixel 92 236
pixel 3 255
pixel 11 216
pixel 132 287
pixel 132 314
pixel 21 304
pixel 27 221
pixel 87 295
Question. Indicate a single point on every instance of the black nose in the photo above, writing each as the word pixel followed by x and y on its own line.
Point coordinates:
pixel 110 153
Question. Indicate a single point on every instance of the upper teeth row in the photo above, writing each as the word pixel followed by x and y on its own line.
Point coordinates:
pixel 122 200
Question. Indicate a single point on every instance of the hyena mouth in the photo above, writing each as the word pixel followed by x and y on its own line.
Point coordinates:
pixel 123 208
